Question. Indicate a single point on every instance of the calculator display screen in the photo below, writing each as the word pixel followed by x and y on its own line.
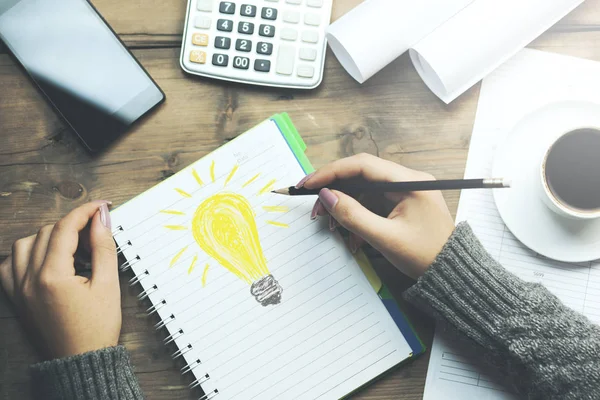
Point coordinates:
pixel 79 64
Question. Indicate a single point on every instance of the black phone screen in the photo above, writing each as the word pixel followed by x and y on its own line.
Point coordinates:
pixel 80 65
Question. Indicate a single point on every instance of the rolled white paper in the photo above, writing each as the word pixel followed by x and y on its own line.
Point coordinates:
pixel 476 41
pixel 376 32
pixel 452 43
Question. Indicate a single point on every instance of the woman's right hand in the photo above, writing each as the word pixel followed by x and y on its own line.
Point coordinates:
pixel 415 230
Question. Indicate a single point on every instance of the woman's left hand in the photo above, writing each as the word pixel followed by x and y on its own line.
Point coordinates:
pixel 65 313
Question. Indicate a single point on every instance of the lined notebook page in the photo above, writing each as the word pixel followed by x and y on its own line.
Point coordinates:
pixel 329 334
pixel 526 83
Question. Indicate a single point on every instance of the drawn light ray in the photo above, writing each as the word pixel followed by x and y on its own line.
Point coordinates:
pixel 183 193
pixel 172 212
pixel 197 177
pixel 204 274
pixel 235 168
pixel 212 171
pixel 192 264
pixel 177 256
pixel 277 209
pixel 279 224
pixel 249 181
pixel 176 227
pixel 268 187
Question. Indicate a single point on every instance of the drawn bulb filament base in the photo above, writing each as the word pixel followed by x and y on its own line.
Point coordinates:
pixel 267 291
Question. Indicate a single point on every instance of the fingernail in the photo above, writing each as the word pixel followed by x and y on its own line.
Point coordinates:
pixel 328 199
pixel 313 213
pixel 321 211
pixel 303 180
pixel 332 224
pixel 104 202
pixel 105 216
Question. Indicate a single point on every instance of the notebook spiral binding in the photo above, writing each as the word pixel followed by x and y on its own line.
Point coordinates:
pixel 127 245
pixel 199 381
pixel 209 395
pixel 187 368
pixel 147 292
pixel 163 322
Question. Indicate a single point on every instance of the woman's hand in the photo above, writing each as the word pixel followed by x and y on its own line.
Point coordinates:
pixel 415 230
pixel 65 313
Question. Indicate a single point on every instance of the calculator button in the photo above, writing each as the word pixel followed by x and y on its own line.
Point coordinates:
pixel 312 19
pixel 269 13
pixel 266 30
pixel 241 62
pixel 306 71
pixel 222 42
pixel 220 60
pixel 292 17
pixel 262 65
pixel 225 25
pixel 198 57
pixel 293 1
pixel 264 48
pixel 285 60
pixel 314 3
pixel 204 5
pixel 308 54
pixel 246 27
pixel 289 34
pixel 200 39
pixel 227 7
pixel 243 45
pixel 310 36
pixel 202 22
pixel 248 10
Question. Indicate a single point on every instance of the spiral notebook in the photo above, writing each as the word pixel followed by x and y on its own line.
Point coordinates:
pixel 261 301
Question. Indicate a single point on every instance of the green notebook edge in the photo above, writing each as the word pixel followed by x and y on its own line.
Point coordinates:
pixel 298 147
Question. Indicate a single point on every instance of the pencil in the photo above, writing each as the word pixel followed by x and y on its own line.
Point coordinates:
pixel 383 187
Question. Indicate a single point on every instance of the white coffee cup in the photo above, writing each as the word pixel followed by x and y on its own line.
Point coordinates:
pixel 569 174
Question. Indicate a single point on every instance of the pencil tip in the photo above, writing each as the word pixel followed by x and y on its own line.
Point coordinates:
pixel 281 191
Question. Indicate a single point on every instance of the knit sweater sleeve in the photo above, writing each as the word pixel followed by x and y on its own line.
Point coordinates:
pixel 104 374
pixel 547 350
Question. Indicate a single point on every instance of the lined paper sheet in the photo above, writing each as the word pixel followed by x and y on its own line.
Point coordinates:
pixel 330 333
pixel 529 81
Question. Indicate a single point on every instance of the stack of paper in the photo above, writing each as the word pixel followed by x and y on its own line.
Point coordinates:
pixel 527 82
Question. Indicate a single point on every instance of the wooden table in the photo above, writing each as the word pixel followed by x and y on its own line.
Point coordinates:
pixel 45 172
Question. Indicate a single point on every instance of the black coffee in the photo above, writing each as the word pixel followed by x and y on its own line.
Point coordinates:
pixel 573 169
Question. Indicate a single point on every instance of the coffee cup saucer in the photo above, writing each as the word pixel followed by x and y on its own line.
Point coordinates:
pixel 521 206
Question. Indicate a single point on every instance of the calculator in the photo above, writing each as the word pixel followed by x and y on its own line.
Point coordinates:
pixel 262 42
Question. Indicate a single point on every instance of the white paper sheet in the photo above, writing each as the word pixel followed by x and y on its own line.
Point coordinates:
pixel 527 82
pixel 329 334
pixel 453 44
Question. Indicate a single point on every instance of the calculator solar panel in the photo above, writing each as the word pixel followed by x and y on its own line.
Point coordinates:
pixel 263 42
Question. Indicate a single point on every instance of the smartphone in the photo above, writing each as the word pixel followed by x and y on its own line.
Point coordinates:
pixel 81 66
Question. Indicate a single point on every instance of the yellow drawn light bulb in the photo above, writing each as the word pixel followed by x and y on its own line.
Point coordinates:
pixel 225 229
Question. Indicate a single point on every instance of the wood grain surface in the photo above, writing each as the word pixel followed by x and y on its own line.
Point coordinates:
pixel 45 172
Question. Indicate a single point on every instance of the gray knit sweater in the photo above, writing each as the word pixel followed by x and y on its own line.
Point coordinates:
pixel 548 351
pixel 97 375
